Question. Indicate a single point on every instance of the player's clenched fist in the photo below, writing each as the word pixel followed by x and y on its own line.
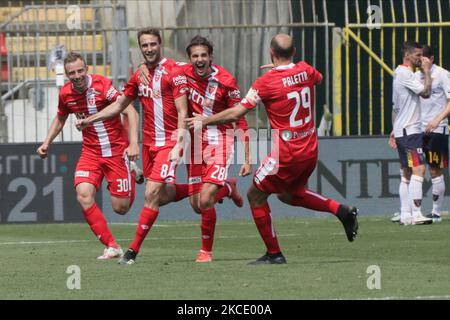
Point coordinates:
pixel 81 124
pixel 42 151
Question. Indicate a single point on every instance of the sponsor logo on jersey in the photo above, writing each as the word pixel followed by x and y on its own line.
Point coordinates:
pixel 83 174
pixel 72 103
pixel 196 97
pixel 111 93
pixel 235 94
pixel 194 180
pixel 179 80
pixel 146 91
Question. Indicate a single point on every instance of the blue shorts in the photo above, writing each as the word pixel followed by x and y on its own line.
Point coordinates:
pixel 435 147
pixel 410 150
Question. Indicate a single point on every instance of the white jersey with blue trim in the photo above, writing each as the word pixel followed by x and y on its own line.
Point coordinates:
pixel 406 102
pixel 436 103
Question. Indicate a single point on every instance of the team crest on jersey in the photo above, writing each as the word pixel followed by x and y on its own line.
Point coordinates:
pixel 157 76
pixel 91 100
pixel 212 89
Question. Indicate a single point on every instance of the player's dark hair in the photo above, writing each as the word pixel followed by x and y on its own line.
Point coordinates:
pixel 198 40
pixel 409 46
pixel 151 31
pixel 280 52
pixel 73 56
pixel 427 51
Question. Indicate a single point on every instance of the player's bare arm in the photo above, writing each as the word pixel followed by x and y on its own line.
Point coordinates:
pixel 433 124
pixel 226 116
pixel 426 70
pixel 392 142
pixel 110 111
pixel 246 167
pixel 132 150
pixel 181 103
pixel 55 128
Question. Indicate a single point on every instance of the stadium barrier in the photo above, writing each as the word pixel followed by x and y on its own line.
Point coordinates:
pixel 241 32
pixel 36 38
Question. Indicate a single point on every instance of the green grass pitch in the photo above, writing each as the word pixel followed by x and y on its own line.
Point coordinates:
pixel 414 262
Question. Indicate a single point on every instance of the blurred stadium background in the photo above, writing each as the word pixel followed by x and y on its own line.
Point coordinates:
pixel 356 165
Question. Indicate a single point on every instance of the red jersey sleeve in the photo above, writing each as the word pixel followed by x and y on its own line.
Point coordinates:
pixel 317 76
pixel 233 93
pixel 253 95
pixel 62 107
pixel 179 83
pixel 131 88
pixel 313 73
pixel 111 93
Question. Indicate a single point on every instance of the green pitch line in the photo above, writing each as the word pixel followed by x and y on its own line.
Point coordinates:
pixel 414 262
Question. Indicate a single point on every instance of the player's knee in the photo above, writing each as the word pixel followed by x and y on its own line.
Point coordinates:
pixel 251 196
pixel 283 198
pixel 435 172
pixel 195 206
pixel 152 193
pixel 206 200
pixel 85 199
pixel 419 171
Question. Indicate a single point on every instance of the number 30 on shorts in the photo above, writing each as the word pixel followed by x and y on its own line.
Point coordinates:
pixel 220 173
pixel 123 185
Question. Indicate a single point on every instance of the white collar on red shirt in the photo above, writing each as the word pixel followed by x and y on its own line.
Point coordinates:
pixel 213 74
pixel 163 60
pixel 285 66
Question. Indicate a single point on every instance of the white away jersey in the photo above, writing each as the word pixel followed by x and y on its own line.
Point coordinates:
pixel 406 102
pixel 436 103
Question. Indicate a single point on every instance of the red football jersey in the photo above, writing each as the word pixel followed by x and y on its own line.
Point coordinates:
pixel 158 101
pixel 211 95
pixel 287 93
pixel 102 138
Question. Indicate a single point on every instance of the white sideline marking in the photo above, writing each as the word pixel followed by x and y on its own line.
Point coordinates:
pixel 150 238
